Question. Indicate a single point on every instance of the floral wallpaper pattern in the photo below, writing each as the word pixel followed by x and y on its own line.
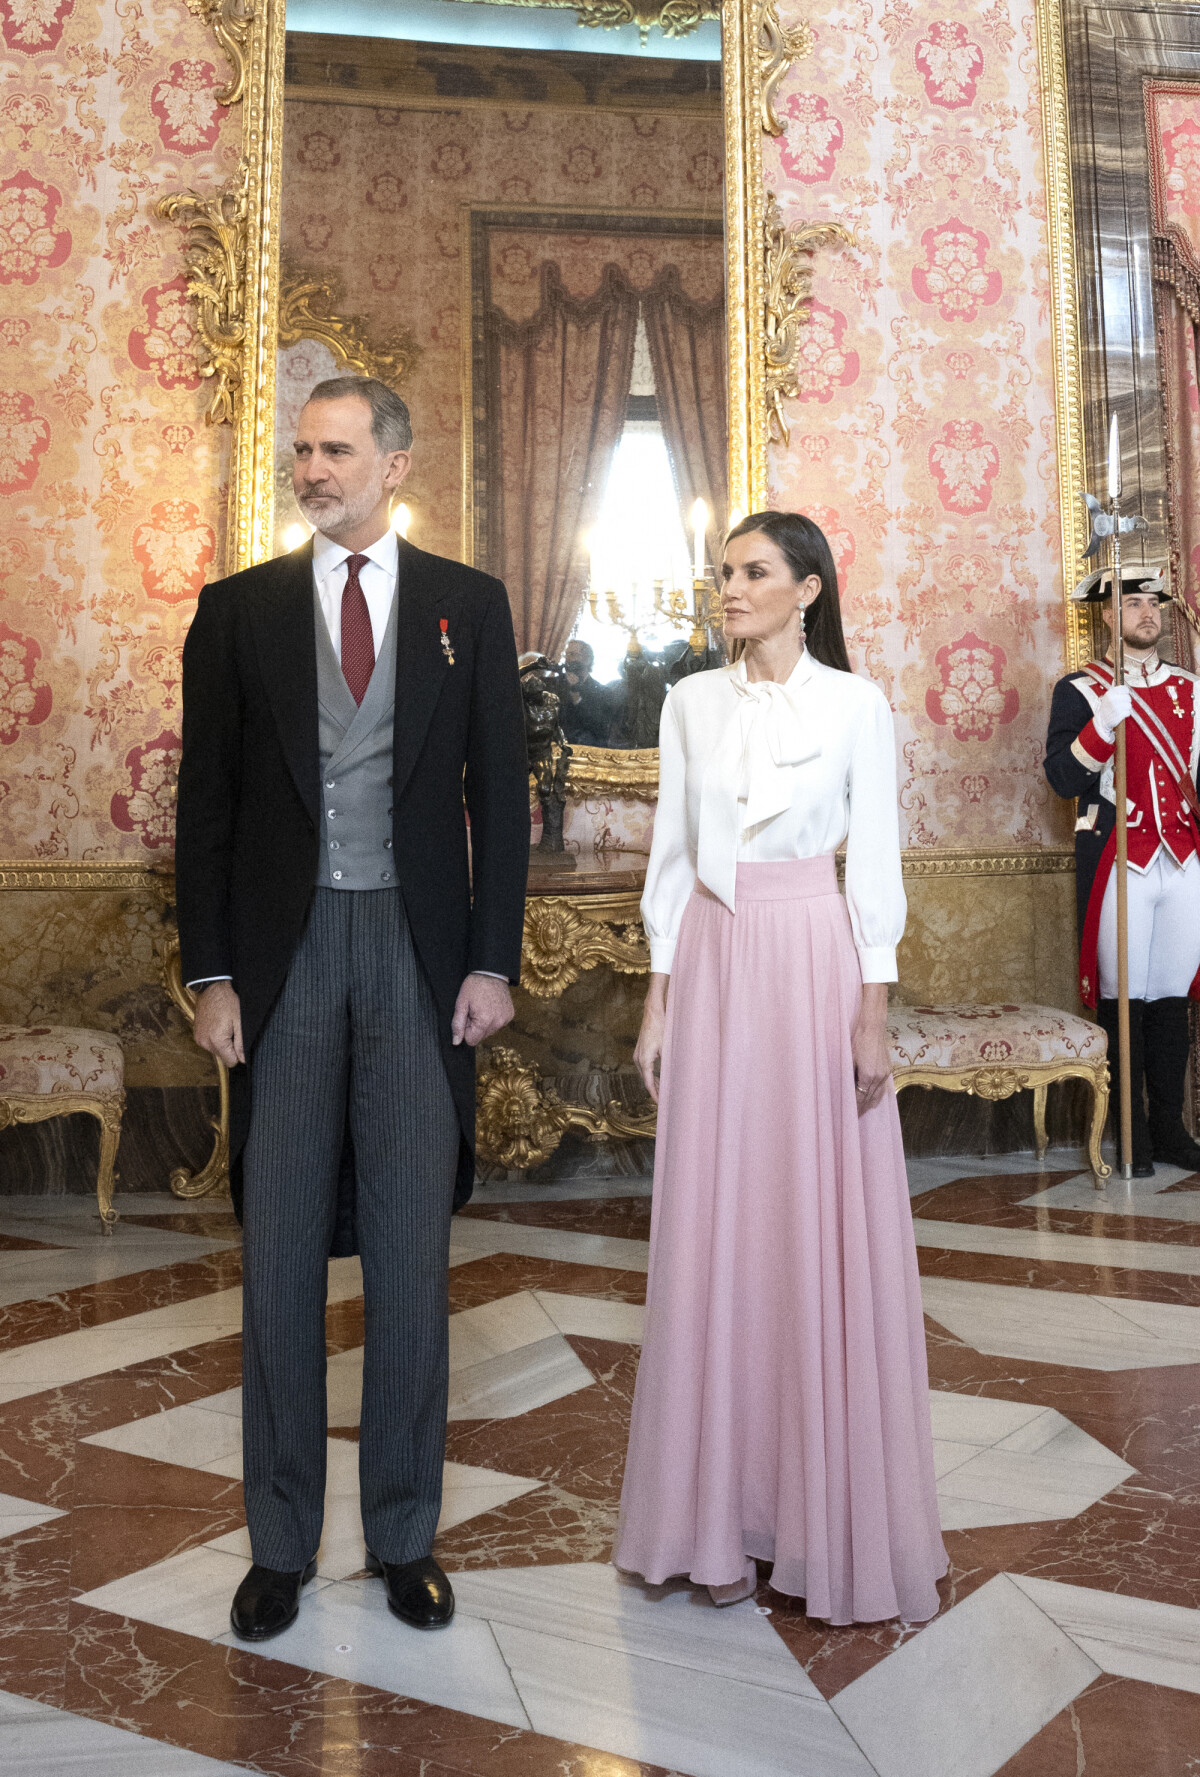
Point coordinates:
pixel 111 484
pixel 922 435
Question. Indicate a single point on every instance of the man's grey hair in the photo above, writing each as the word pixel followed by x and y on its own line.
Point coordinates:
pixel 391 426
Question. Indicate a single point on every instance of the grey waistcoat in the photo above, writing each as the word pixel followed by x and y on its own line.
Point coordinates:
pixel 355 746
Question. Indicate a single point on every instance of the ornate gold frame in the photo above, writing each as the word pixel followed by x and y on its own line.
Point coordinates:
pixel 1064 321
pixel 232 243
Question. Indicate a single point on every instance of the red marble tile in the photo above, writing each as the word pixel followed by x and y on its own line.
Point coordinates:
pixel 1116 1728
pixel 1056 1274
pixel 98 1304
pixel 13 1243
pixel 998 1202
pixel 626 1217
pixel 485 1280
pixel 214 1224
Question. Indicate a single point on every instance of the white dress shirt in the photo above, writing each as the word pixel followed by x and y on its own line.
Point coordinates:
pixel 762 773
pixel 377 579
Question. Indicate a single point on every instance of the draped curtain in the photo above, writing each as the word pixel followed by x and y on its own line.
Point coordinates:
pixel 558 388
pixel 1177 279
pixel 687 351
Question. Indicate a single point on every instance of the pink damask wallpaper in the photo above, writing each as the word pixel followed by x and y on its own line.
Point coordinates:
pixel 922 436
pixel 377 196
pixel 110 481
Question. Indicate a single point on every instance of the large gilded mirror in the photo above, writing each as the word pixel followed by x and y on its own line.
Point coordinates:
pixel 544 226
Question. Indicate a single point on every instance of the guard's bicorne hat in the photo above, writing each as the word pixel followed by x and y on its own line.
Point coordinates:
pixel 1098 585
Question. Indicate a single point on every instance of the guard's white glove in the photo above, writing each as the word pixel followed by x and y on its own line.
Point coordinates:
pixel 1112 710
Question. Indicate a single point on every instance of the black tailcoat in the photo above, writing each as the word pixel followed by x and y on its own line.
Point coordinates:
pixel 1070 713
pixel 248 830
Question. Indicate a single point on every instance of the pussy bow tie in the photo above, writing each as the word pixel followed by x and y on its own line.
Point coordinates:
pixel 746 782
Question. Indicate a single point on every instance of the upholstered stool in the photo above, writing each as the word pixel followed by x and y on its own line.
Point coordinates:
pixel 994 1051
pixel 50 1071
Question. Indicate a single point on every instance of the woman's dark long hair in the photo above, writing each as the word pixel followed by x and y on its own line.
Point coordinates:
pixel 806 550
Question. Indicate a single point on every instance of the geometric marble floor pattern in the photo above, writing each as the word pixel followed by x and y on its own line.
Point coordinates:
pixel 1064 1341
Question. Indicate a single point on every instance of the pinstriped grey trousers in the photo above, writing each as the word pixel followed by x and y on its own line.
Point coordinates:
pixel 354 1033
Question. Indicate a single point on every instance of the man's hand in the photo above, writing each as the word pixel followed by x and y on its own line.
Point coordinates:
pixel 218 1026
pixel 1112 710
pixel 484 1006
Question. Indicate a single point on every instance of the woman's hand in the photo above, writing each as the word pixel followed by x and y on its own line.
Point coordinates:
pixel 869 1045
pixel 648 1050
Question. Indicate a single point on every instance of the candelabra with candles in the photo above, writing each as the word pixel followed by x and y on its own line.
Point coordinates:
pixel 702 608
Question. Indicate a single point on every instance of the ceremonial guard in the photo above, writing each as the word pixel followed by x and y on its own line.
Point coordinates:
pixel 1158 704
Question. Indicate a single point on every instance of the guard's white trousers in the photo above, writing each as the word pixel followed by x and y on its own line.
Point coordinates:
pixel 1164 931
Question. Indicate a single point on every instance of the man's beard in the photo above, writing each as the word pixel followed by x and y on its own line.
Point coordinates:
pixel 334 515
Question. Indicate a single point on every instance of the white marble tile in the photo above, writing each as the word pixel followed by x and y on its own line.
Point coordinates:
pixel 343 1387
pixel 592 1317
pixel 1059 1327
pixel 185 1435
pixel 1128 1197
pixel 590 1602
pixel 23 1514
pixel 965 1695
pixel 948 1456
pixel 517 1382
pixel 1055 1439
pixel 27 1276
pixel 688 1721
pixel 1126 1636
pixel 494 1328
pixel 1073 1249
pixel 228 1401
pixel 977 1418
pixel 479 1239
pixel 191 1592
pixel 1036 1490
pixel 40 1741
pixel 974 1514
pixel 347 1631
pixel 467 1492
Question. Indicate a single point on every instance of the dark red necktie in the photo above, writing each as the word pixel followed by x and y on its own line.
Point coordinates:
pixel 358 644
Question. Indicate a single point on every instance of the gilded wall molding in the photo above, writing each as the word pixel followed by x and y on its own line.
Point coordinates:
pixel 612 771
pixel 779 46
pixel 214 256
pixel 566 934
pixel 788 267
pixel 55 875
pixel 1064 321
pixel 307 310
pixel 231 22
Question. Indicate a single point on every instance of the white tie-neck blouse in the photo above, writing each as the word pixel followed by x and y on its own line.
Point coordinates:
pixel 763 773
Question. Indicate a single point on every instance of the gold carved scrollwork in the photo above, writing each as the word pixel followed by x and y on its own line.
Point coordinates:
pixel 231 22
pixel 306 311
pixel 611 771
pixel 779 46
pixel 520 1119
pixel 674 18
pixel 786 297
pixel 560 941
pixel 214 1175
pixel 215 259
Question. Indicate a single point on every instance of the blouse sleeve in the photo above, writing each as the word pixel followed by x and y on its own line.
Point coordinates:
pixel 874 887
pixel 670 874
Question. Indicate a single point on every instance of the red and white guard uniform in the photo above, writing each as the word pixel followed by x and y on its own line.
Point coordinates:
pixel 1162 739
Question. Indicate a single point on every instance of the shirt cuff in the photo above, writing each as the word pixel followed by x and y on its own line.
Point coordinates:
pixel 205 981
pixel 1092 749
pixel 490 973
pixel 662 955
pixel 878 963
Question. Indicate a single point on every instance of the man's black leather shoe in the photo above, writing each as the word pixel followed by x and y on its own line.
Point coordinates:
pixel 267 1602
pixel 418 1592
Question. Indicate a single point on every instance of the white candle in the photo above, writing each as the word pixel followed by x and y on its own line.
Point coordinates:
pixel 295 535
pixel 401 519
pixel 1114 460
pixel 699 526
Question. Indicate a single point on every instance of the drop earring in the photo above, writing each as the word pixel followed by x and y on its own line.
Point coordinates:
pixel 802 625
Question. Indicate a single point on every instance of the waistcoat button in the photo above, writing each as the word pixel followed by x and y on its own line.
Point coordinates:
pixel 331 785
pixel 335 845
pixel 386 877
pixel 331 812
pixel 337 876
pixel 387 845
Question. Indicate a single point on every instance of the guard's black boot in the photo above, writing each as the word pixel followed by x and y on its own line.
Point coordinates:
pixel 1106 1017
pixel 1167 1039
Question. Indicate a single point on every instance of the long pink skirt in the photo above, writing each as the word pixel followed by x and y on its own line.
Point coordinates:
pixel 782 1402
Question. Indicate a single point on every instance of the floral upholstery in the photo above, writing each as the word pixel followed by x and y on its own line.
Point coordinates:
pixel 47 1058
pixel 962 1037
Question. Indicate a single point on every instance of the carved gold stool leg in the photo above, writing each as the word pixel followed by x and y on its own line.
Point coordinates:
pixel 1040 1139
pixel 109 1115
pixel 1099 1117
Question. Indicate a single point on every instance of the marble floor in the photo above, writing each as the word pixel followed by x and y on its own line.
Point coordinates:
pixel 1063 1330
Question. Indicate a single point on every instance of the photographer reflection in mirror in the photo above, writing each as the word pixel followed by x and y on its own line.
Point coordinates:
pixel 588 707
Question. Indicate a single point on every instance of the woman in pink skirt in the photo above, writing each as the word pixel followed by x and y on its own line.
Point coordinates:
pixel 782 1404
